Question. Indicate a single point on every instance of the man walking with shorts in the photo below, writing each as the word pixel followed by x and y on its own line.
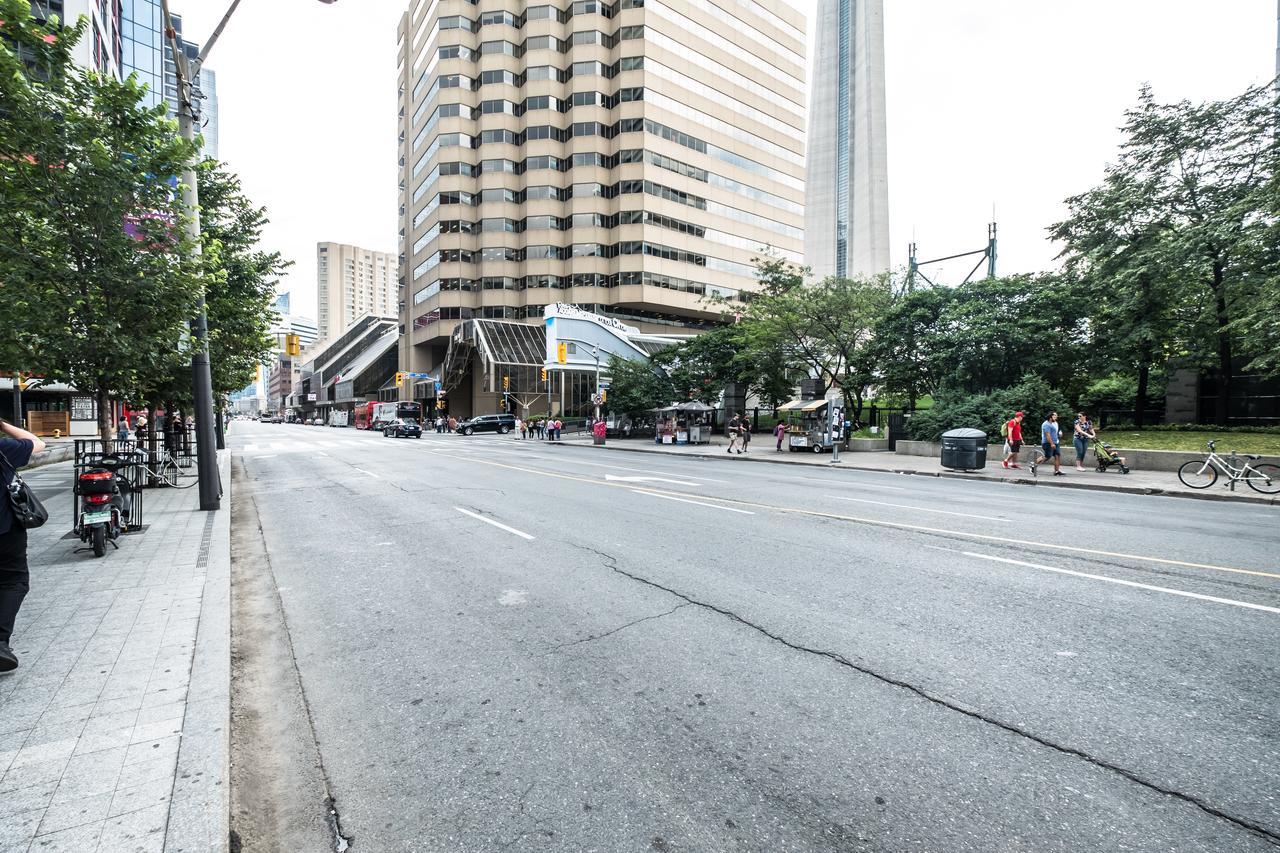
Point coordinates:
pixel 1013 430
pixel 1049 444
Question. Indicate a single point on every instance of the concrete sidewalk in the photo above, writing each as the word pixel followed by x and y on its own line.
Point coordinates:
pixel 762 450
pixel 114 730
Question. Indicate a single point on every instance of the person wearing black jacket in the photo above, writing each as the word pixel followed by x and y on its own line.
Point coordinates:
pixel 16 446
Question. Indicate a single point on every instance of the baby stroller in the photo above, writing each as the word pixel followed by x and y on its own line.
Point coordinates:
pixel 1107 456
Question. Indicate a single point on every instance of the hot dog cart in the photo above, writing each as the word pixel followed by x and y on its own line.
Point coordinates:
pixel 808 425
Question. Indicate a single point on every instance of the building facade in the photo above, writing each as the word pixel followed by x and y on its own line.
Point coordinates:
pixel 847 206
pixel 629 158
pixel 350 283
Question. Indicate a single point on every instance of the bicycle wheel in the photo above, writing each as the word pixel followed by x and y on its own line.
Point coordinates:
pixel 1265 478
pixel 1197 474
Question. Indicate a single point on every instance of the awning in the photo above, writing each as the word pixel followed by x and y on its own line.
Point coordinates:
pixel 802 405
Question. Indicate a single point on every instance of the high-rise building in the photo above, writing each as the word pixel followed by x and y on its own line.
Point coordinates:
pixel 352 282
pixel 101 47
pixel 847 204
pixel 631 158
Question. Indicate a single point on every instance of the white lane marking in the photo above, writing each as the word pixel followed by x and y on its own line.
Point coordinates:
pixel 848 482
pixel 917 508
pixel 250 448
pixel 1135 584
pixel 625 468
pixel 497 524
pixel 513 597
pixel 266 456
pixel 324 455
pixel 697 503
pixel 363 471
pixel 616 479
pixel 278 446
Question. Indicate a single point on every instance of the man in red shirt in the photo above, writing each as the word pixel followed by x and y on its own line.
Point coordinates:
pixel 1014 429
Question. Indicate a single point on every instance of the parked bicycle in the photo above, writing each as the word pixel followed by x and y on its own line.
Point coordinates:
pixel 1201 474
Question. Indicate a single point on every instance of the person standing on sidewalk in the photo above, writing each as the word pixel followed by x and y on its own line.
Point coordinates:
pixel 1013 441
pixel 746 432
pixel 780 432
pixel 1083 434
pixel 1050 445
pixel 16 446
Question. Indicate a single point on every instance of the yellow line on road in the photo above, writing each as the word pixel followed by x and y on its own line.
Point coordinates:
pixel 876 522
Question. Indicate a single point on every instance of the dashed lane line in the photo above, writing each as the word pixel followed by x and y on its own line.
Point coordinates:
pixel 478 517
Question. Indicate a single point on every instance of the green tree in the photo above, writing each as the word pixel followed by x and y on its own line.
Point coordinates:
pixel 907 341
pixel 241 282
pixel 92 252
pixel 636 387
pixel 826 330
pixel 1193 200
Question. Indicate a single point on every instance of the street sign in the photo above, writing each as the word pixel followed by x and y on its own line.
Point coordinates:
pixel 598 399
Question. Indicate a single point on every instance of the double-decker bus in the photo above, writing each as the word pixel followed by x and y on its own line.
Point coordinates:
pixel 363 417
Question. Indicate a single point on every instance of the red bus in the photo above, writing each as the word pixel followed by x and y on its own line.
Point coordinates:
pixel 364 416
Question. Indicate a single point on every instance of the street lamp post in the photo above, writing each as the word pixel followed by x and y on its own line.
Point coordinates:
pixel 201 374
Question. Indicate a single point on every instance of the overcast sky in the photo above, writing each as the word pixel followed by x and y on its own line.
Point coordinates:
pixel 991 102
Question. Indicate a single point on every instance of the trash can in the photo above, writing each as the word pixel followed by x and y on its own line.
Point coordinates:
pixel 964 449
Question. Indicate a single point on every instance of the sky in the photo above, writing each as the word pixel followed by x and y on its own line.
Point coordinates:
pixel 1003 104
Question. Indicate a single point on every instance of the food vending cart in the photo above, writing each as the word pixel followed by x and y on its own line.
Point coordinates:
pixel 807 425
pixel 683 423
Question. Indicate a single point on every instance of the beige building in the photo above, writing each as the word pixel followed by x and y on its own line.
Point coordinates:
pixel 352 282
pixel 628 158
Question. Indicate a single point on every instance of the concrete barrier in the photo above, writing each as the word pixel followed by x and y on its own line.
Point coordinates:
pixel 867 445
pixel 1139 460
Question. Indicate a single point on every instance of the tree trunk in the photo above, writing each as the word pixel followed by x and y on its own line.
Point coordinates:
pixel 1140 400
pixel 1224 345
pixel 152 480
pixel 104 419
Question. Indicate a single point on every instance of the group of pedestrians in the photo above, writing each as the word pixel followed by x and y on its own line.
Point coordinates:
pixel 739 433
pixel 1050 444
pixel 445 425
pixel 546 429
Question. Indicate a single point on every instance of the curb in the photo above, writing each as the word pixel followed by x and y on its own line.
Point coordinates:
pixel 200 806
pixel 1019 481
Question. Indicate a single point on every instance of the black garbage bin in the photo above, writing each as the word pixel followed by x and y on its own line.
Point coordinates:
pixel 964 449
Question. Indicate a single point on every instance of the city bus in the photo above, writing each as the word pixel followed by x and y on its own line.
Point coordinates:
pixel 385 413
pixel 363 416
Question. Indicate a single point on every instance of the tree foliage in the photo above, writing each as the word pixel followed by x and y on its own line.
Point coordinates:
pixel 95 280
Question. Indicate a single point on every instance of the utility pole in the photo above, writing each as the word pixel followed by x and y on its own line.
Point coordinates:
pixel 201 374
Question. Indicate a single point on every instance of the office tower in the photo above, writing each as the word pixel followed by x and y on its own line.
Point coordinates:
pixel 352 282
pixel 628 158
pixel 847 207
pixel 100 48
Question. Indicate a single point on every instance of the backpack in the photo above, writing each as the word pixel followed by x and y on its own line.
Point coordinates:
pixel 1004 429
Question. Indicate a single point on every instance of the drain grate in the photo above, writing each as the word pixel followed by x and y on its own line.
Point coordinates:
pixel 206 541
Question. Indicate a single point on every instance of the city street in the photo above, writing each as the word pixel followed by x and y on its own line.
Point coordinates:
pixel 478 644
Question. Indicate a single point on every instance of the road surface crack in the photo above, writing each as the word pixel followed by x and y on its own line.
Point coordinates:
pixel 611 562
pixel 595 637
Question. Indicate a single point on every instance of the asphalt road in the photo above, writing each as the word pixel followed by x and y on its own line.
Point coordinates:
pixel 507 645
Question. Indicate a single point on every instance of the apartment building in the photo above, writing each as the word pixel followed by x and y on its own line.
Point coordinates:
pixel 630 159
pixel 352 282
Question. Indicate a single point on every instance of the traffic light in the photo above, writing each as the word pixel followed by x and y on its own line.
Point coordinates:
pixel 604 395
pixel 506 384
pixel 292 345
pixel 399 379
pixel 544 374
pixel 562 353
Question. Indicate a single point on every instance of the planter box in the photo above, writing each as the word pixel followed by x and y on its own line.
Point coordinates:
pixel 863 445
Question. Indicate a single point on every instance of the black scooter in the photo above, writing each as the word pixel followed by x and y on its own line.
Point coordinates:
pixel 106 504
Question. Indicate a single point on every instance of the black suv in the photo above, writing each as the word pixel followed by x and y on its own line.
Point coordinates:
pixel 488 423
pixel 403 429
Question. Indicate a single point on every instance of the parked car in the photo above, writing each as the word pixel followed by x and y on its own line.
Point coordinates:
pixel 488 423
pixel 403 429
pixel 317 422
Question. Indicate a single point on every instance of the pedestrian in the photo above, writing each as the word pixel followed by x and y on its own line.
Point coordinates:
pixel 1013 432
pixel 16 447
pixel 556 427
pixel 780 432
pixel 1049 445
pixel 746 432
pixel 1083 433
pixel 519 428
pixel 453 423
pixel 735 434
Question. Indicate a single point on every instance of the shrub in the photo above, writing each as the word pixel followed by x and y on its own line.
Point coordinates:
pixel 987 412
